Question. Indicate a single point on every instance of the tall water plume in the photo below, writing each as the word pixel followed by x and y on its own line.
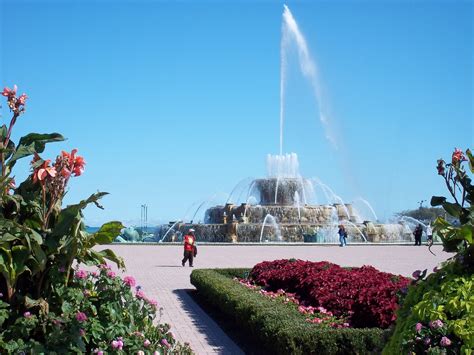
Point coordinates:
pixel 290 31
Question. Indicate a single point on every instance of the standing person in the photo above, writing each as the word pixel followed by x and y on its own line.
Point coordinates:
pixel 417 233
pixel 342 233
pixel 429 234
pixel 189 241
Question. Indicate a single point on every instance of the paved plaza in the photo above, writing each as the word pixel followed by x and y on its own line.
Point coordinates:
pixel 157 268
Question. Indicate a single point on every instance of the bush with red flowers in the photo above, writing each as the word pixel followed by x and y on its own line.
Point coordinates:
pixel 365 296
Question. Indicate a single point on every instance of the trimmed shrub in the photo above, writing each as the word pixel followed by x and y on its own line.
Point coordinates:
pixel 280 329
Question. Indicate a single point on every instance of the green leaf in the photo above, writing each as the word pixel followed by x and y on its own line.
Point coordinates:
pixel 470 158
pixel 33 143
pixel 106 234
pixel 452 208
pixel 437 200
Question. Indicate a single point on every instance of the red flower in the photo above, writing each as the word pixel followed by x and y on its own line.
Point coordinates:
pixel 44 171
pixel 75 163
pixel 22 99
pixel 458 156
pixel 7 92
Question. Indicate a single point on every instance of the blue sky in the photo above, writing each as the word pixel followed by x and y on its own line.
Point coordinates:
pixel 173 102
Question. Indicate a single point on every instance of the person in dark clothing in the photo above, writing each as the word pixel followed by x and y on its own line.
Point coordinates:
pixel 342 235
pixel 418 233
pixel 189 248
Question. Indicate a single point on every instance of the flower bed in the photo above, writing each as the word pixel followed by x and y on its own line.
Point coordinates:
pixel 279 328
pixel 98 312
pixel 365 296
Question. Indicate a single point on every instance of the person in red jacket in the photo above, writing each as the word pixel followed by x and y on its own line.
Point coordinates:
pixel 189 247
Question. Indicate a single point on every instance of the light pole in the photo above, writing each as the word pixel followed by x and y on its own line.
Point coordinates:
pixel 421 203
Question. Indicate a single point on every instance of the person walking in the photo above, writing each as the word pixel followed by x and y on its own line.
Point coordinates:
pixel 418 233
pixel 189 248
pixel 429 234
pixel 342 235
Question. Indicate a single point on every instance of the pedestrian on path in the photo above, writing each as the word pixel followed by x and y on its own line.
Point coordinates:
pixel 189 248
pixel 429 234
pixel 418 233
pixel 342 235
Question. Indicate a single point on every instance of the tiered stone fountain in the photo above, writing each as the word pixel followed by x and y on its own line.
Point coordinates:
pixel 282 214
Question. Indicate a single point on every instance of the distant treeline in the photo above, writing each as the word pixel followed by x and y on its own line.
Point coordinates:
pixel 427 214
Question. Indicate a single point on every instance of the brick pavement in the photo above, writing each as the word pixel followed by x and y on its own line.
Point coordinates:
pixel 158 270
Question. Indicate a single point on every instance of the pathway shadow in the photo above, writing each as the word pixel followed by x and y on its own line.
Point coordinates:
pixel 216 337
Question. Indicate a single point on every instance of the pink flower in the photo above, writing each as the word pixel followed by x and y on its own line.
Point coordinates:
pixel 111 274
pixel 141 294
pixel 445 341
pixel 416 274
pixel 165 343
pixel 82 332
pixel 436 324
pixel 81 317
pixel 22 99
pixel 98 352
pixel 27 315
pixel 104 266
pixel 129 280
pixel 86 293
pixel 95 273
pixel 7 92
pixel 418 327
pixel 62 269
pixel 140 352
pixel 153 303
pixel 81 274
pixel 146 343
pixel 117 344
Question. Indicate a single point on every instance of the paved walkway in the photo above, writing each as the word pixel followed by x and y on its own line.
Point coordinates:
pixel 158 270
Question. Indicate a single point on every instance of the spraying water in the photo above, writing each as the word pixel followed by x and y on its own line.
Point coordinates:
pixel 290 31
pixel 274 224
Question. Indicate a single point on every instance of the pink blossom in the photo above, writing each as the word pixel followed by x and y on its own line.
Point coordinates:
pixel 146 343
pixel 117 344
pixel 111 274
pixel 445 341
pixel 98 352
pixel 82 332
pixel 141 294
pixel 104 266
pixel 62 269
pixel 154 303
pixel 22 99
pixel 27 314
pixel 129 280
pixel 436 324
pixel 140 352
pixel 418 327
pixel 81 317
pixel 95 273
pixel 165 343
pixel 416 274
pixel 156 353
pixel 7 92
pixel 81 274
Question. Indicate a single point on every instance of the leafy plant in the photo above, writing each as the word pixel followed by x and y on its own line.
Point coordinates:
pixel 43 306
pixel 445 297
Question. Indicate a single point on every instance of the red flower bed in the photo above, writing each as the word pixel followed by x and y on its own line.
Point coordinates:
pixel 366 296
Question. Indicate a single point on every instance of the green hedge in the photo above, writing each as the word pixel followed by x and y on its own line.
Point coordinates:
pixel 279 328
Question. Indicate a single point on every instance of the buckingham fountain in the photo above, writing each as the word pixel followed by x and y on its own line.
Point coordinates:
pixel 277 209
pixel 281 207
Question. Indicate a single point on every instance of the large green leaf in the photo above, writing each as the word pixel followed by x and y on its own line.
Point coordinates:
pixel 33 143
pixel 72 214
pixel 106 234
pixel 452 208
pixel 437 200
